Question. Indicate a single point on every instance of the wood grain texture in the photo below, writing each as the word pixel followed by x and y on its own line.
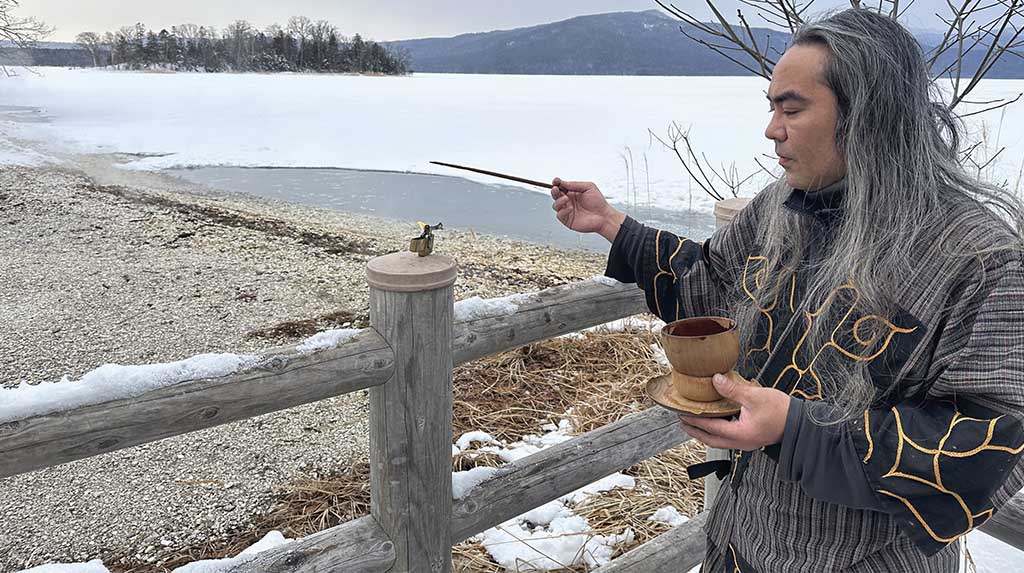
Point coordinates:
pixel 411 428
pixel 561 469
pixel 283 379
pixel 679 549
pixel 546 314
pixel 358 546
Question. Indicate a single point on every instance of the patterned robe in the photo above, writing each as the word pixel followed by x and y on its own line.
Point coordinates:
pixel 940 452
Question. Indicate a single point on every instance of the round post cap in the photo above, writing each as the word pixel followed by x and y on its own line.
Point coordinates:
pixel 408 272
pixel 726 209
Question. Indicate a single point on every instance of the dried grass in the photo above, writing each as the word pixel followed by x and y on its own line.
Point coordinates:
pixel 598 377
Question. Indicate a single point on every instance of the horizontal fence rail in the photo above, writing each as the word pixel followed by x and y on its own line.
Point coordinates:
pixel 563 468
pixel 1007 525
pixel 358 546
pixel 284 378
pixel 547 314
pixel 287 378
pixel 678 549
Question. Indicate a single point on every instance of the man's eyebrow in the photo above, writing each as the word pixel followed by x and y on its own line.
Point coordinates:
pixel 788 95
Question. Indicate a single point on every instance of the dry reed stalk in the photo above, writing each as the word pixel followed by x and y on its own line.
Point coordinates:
pixel 597 378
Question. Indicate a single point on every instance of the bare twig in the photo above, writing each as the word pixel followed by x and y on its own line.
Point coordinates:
pixel 1001 104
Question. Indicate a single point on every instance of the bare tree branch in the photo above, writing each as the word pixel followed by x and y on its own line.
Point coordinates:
pixel 22 32
pixel 1001 104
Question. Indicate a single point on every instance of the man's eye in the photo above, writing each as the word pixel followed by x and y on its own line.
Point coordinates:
pixel 790 112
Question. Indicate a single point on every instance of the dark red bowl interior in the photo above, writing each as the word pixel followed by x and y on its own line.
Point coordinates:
pixel 698 327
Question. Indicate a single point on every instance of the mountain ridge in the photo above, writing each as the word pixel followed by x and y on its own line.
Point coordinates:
pixel 616 43
pixel 646 43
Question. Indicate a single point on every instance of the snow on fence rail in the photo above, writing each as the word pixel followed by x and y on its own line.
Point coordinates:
pixel 284 378
pixel 406 362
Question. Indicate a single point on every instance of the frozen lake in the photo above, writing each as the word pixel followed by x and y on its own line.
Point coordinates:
pixel 502 210
pixel 539 127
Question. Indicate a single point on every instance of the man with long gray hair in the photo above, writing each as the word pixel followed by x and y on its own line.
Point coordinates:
pixel 879 293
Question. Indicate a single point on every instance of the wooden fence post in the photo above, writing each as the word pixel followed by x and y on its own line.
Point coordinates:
pixel 725 211
pixel 411 306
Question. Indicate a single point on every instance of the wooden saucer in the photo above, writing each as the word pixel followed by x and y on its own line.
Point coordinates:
pixel 662 391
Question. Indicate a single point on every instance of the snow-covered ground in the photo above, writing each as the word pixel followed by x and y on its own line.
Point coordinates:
pixel 537 127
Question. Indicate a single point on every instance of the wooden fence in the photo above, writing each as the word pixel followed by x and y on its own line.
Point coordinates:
pixel 405 360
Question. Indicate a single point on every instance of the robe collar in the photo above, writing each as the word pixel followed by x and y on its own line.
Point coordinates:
pixel 825 203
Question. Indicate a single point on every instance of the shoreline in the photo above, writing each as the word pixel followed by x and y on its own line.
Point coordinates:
pixel 109 266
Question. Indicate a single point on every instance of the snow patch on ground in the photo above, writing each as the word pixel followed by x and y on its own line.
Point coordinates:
pixel 668 515
pixel 565 541
pixel 270 540
pixel 551 536
pixel 94 566
pixel 467 439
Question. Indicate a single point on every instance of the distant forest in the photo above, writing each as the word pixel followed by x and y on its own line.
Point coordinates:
pixel 301 46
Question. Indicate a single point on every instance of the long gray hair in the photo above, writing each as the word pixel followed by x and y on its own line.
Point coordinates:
pixel 902 150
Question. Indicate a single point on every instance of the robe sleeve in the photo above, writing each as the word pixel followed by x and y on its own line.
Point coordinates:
pixel 944 461
pixel 682 278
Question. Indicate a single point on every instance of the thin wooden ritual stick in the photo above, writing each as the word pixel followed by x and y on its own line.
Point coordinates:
pixel 496 174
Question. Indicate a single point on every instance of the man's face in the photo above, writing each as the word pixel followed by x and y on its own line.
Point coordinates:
pixel 804 114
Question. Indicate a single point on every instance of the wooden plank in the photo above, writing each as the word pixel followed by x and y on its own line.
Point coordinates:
pixel 679 549
pixel 537 479
pixel 1007 525
pixel 358 546
pixel 285 378
pixel 546 314
pixel 411 427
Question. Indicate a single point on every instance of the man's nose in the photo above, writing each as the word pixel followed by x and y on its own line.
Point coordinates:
pixel 775 130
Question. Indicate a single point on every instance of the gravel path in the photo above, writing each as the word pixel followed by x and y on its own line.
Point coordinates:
pixel 99 265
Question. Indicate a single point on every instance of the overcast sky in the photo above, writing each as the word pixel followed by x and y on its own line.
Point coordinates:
pixel 375 19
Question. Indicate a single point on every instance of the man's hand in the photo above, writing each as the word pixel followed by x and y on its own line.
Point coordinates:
pixel 761 422
pixel 580 206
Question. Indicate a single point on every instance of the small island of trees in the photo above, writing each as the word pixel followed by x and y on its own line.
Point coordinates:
pixel 301 46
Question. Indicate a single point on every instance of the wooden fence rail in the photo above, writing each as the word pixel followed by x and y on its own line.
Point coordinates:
pixel 285 378
pixel 563 468
pixel 406 362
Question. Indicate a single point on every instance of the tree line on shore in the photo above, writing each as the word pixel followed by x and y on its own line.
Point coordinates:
pixel 300 46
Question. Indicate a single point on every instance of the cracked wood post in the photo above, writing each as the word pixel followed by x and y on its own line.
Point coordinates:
pixel 725 211
pixel 411 306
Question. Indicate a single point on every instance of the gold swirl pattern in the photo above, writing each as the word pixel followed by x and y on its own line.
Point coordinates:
pixel 662 272
pixel 870 335
pixel 760 278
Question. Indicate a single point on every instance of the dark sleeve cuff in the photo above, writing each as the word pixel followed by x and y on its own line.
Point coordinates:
pixel 623 252
pixel 823 459
pixel 786 448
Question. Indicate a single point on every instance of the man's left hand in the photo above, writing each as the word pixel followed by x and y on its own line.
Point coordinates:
pixel 761 422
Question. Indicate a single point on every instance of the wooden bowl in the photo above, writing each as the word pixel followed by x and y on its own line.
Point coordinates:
pixel 696 388
pixel 701 346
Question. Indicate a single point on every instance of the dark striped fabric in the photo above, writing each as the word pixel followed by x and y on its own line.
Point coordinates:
pixel 941 452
